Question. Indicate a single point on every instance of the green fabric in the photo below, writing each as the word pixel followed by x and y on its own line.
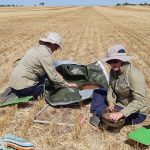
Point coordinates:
pixel 64 96
pixel 141 135
pixel 80 74
pixel 16 101
pixel 96 74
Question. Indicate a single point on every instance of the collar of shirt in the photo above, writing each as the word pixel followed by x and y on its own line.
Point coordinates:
pixel 45 47
pixel 124 68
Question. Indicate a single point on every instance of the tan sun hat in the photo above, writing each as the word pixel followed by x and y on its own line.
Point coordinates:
pixel 52 37
pixel 117 52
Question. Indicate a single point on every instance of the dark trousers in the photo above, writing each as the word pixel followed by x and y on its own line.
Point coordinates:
pixel 99 104
pixel 35 90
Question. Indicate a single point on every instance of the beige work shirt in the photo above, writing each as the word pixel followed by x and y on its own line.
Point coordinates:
pixel 129 90
pixel 36 63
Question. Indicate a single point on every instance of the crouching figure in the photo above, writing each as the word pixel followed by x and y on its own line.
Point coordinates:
pixel 127 91
pixel 28 76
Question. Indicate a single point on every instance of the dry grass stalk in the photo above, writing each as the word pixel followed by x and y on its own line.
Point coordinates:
pixel 77 127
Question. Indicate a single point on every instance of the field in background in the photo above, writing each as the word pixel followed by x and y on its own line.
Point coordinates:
pixel 87 33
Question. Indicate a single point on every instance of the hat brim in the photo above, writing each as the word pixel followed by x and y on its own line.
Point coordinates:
pixel 50 41
pixel 122 58
pixel 60 47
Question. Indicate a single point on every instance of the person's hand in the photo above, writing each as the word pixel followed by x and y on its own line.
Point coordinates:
pixel 115 116
pixel 111 106
pixel 72 85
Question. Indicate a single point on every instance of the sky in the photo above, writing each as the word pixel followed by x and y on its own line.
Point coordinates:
pixel 69 2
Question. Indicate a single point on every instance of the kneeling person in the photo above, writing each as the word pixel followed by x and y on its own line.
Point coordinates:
pixel 29 73
pixel 127 92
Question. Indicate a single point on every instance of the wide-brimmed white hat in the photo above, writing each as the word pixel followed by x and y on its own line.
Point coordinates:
pixel 117 52
pixel 52 37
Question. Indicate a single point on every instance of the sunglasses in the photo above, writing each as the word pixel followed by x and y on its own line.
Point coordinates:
pixel 113 61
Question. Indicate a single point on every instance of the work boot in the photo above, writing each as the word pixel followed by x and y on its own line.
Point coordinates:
pixel 6 92
pixel 7 95
pixel 11 96
pixel 95 121
pixel 2 99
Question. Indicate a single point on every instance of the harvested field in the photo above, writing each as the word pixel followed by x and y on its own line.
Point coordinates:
pixel 87 33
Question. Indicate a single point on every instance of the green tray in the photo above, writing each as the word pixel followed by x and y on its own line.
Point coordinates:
pixel 16 101
pixel 141 135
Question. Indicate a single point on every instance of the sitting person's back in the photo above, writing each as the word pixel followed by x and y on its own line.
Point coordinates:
pixel 28 75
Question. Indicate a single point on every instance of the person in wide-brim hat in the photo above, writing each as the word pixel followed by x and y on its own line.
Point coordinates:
pixel 126 93
pixel 28 75
pixel 117 52
pixel 53 38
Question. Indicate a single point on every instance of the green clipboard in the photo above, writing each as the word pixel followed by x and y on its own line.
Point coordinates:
pixel 16 101
pixel 141 135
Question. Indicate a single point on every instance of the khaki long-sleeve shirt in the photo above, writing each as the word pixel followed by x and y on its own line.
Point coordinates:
pixel 129 90
pixel 36 63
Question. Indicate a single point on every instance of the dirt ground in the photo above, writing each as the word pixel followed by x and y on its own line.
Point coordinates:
pixel 87 33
